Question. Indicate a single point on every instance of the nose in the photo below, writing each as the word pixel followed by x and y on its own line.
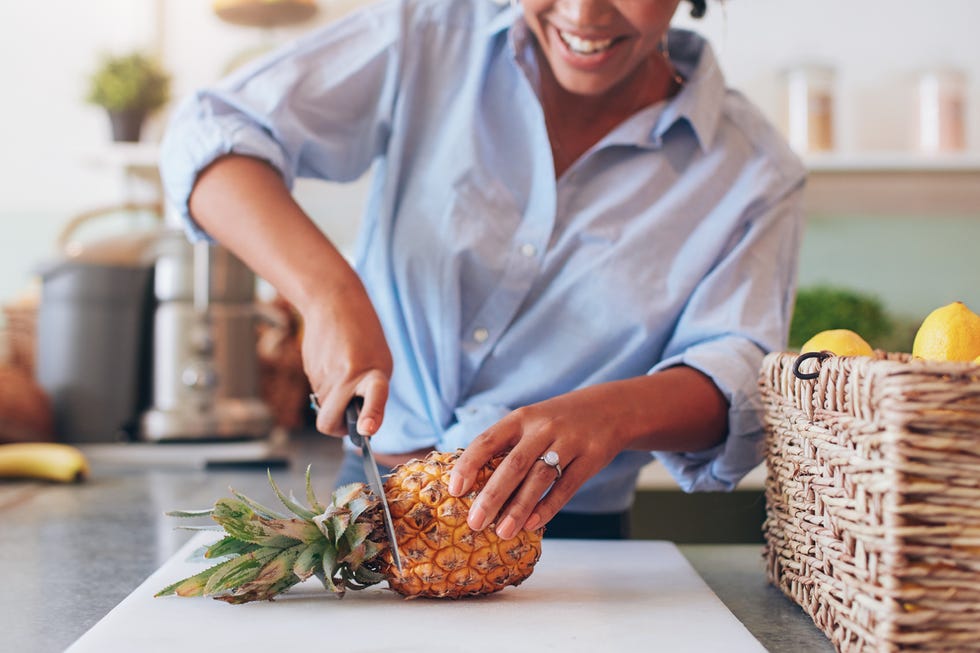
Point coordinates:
pixel 583 12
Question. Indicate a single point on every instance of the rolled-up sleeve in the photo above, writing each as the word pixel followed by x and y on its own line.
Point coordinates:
pixel 319 107
pixel 739 312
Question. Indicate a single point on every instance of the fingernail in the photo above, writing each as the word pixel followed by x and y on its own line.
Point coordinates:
pixel 368 426
pixel 532 522
pixel 455 485
pixel 477 518
pixel 507 527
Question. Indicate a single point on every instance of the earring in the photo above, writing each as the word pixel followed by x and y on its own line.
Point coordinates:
pixel 665 53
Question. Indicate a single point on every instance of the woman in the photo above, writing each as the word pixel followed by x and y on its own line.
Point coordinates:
pixel 578 244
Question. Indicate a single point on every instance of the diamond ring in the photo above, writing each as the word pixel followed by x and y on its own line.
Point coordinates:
pixel 314 404
pixel 550 459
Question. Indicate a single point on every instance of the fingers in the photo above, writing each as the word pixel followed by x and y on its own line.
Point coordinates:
pixel 540 493
pixel 510 474
pixel 560 493
pixel 374 389
pixel 523 491
pixel 524 501
pixel 478 453
pixel 331 416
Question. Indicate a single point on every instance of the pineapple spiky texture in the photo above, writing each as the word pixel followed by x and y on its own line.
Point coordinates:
pixel 344 545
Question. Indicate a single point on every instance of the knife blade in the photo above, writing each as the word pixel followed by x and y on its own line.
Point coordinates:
pixel 372 473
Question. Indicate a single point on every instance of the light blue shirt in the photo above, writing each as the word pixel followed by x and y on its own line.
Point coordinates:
pixel 672 241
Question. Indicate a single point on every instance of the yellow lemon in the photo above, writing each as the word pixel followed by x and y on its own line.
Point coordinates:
pixel 949 333
pixel 842 342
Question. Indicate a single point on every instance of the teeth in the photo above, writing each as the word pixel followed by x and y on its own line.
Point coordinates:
pixel 584 46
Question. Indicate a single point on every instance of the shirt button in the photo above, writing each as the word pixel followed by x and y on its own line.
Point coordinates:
pixel 480 335
pixel 528 250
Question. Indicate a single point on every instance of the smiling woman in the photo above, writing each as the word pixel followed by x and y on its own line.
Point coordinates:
pixel 580 242
pixel 606 60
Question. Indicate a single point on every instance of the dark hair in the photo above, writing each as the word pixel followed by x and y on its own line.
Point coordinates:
pixel 698 7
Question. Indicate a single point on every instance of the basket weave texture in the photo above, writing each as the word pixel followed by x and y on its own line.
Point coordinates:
pixel 283 384
pixel 873 499
pixel 21 335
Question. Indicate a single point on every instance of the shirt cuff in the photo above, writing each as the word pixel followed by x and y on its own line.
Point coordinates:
pixel 190 146
pixel 733 364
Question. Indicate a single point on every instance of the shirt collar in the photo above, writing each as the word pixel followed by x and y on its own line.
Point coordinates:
pixel 699 102
pixel 505 18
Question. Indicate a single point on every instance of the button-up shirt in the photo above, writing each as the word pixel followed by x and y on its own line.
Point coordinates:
pixel 672 241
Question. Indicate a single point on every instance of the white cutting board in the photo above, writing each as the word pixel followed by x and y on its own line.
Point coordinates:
pixel 583 596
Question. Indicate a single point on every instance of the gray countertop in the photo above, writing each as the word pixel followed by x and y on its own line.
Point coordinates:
pixel 70 553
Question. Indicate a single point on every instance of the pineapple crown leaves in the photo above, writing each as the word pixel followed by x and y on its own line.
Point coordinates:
pixel 265 553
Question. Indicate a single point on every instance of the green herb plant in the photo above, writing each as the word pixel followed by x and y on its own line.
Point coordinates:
pixel 819 308
pixel 129 82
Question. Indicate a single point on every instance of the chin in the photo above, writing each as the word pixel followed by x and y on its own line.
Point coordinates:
pixel 579 83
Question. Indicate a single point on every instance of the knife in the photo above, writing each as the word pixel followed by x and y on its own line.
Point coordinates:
pixel 373 476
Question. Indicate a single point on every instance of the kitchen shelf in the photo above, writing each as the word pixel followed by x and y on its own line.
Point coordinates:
pixel 839 183
pixel 892 162
pixel 893 183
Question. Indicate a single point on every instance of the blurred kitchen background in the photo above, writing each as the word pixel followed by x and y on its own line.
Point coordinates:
pixel 887 216
pixel 881 98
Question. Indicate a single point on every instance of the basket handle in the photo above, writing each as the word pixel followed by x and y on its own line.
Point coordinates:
pixel 155 208
pixel 809 376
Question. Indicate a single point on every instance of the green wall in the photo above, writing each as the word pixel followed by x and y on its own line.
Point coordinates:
pixel 913 264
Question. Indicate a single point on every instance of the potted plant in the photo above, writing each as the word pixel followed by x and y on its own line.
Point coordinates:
pixel 129 87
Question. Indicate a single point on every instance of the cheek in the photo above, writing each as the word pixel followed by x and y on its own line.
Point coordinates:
pixel 649 16
pixel 532 10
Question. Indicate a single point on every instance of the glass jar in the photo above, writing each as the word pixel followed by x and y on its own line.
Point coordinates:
pixel 810 107
pixel 941 104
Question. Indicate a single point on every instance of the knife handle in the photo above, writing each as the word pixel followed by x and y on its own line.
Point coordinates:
pixel 353 412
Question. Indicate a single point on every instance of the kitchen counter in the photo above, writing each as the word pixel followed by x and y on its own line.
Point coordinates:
pixel 70 553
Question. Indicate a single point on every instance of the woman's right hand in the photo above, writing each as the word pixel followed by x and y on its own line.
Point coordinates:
pixel 345 354
pixel 244 203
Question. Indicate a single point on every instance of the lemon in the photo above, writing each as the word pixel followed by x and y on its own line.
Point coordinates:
pixel 949 333
pixel 842 342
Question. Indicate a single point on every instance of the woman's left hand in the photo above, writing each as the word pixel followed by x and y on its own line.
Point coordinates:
pixel 581 427
pixel 676 409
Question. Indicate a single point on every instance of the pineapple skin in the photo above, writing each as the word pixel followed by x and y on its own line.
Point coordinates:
pixel 441 555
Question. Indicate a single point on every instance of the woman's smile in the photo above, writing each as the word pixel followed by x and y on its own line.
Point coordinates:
pixel 580 52
pixel 579 45
pixel 593 46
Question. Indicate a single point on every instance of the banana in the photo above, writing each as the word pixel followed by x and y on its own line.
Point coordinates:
pixel 48 461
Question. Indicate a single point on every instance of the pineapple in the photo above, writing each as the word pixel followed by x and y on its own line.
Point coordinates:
pixel 343 544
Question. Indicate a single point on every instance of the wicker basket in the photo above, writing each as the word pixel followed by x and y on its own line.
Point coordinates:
pixel 282 380
pixel 21 320
pixel 873 499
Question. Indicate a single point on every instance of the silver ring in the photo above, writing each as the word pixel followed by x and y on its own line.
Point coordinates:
pixel 314 404
pixel 550 458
